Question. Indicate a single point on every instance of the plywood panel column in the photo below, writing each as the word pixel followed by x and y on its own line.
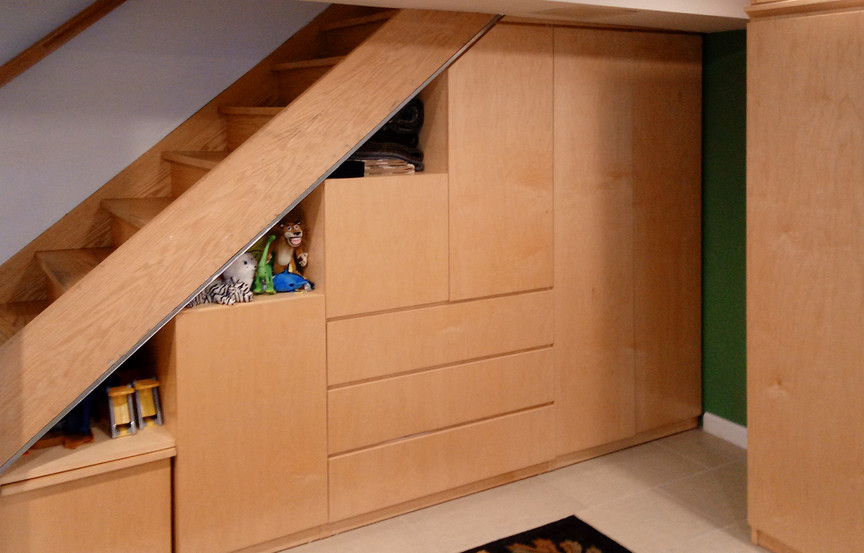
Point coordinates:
pixel 500 164
pixel 667 178
pixel 805 292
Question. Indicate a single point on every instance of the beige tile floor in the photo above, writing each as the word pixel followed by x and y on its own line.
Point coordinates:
pixel 682 494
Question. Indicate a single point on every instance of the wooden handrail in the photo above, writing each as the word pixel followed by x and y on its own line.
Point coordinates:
pixel 56 38
pixel 80 338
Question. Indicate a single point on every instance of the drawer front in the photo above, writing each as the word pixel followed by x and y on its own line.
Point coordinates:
pixel 379 477
pixel 392 343
pixel 123 510
pixel 375 412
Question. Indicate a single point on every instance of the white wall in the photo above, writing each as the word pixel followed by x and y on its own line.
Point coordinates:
pixel 80 116
pixel 23 22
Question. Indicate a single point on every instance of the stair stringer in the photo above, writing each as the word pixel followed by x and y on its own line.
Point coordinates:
pixel 83 336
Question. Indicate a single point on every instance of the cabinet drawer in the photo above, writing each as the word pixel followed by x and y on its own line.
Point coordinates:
pixel 375 412
pixel 391 343
pixel 375 478
pixel 122 510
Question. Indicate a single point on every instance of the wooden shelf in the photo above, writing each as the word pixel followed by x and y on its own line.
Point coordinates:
pixel 54 465
pixel 281 296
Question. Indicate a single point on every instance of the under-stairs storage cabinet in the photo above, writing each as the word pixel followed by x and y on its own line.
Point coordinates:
pixel 250 419
pixel 805 281
pixel 627 234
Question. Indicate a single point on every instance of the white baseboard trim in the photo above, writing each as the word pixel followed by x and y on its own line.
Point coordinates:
pixel 725 429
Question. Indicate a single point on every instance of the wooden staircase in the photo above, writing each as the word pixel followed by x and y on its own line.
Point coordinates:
pixel 103 300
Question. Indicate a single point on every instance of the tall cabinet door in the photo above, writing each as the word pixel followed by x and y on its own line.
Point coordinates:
pixel 805 282
pixel 627 233
pixel 250 422
pixel 593 238
pixel 500 164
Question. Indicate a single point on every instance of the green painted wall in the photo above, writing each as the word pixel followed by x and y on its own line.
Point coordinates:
pixel 724 356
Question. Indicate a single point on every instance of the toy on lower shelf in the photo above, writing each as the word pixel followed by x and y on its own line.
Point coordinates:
pixel 149 408
pixel 121 411
pixel 264 274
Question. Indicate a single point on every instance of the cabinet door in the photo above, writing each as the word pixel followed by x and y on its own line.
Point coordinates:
pixel 627 233
pixel 386 243
pixel 251 422
pixel 593 238
pixel 500 109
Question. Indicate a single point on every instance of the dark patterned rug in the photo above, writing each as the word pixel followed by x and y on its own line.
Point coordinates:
pixel 568 535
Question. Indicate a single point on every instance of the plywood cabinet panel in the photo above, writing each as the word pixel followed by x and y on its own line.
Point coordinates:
pixel 124 510
pixel 386 243
pixel 805 293
pixel 251 422
pixel 667 178
pixel 372 413
pixel 500 113
pixel 391 343
pixel 375 478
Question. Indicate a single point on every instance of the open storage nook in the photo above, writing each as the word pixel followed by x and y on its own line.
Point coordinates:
pixel 530 300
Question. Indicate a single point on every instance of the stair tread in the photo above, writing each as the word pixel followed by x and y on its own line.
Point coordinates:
pixel 304 64
pixel 136 211
pixel 66 267
pixel 203 160
pixel 341 24
pixel 15 316
pixel 250 110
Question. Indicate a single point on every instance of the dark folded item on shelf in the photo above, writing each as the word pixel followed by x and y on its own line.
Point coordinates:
pixel 408 120
pixel 387 135
pixel 389 150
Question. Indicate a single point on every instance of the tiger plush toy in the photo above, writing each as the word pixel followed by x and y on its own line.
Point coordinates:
pixel 233 286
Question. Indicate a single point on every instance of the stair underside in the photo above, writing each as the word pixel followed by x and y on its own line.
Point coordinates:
pixel 201 160
pixel 136 211
pixel 15 316
pixel 64 268
pixel 92 328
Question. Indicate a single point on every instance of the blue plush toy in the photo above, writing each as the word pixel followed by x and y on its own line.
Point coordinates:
pixel 290 282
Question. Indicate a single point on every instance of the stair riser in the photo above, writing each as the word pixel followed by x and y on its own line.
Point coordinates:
pixel 53 289
pixel 293 83
pixel 184 176
pixel 241 127
pixel 121 231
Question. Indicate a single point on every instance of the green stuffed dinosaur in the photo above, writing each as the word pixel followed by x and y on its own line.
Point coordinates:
pixel 264 272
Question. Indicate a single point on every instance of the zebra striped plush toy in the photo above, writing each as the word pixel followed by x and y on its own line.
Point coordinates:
pixel 233 286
